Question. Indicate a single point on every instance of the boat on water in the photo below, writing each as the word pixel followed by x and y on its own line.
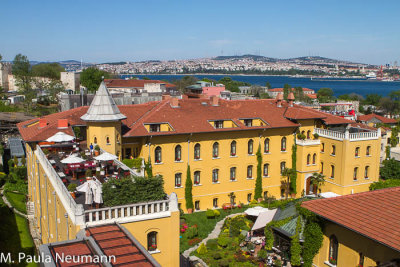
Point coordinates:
pixel 371 76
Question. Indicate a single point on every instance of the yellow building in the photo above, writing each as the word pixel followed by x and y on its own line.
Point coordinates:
pixel 360 229
pixel 219 139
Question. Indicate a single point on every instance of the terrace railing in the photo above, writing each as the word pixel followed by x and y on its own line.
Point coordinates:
pixel 308 142
pixel 75 211
pixel 132 212
pixel 360 136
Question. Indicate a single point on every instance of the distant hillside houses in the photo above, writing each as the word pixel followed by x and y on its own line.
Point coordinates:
pixel 307 91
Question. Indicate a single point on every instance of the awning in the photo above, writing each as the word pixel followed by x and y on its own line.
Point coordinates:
pixel 329 195
pixel 106 157
pixel 264 218
pixel 255 211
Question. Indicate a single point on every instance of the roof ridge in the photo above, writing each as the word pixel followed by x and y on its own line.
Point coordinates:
pixel 147 114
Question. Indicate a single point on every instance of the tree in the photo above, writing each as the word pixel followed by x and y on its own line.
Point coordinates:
pixel 388 105
pixel 52 88
pixel 181 84
pixel 325 95
pixel 286 90
pixel 395 95
pixel 268 85
pixel 317 179
pixel 22 70
pixel 298 93
pixel 372 99
pixel 188 190
pixel 1 57
pixel 232 197
pixel 48 70
pixel 265 96
pixel 92 77
pixel 258 188
pixel 390 169
pixel 287 173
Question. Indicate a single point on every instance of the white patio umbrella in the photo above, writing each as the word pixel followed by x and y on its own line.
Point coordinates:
pixel 106 157
pixel 255 211
pixel 72 160
pixel 60 137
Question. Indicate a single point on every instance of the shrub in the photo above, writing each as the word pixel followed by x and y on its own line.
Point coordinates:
pixel 18 186
pixel 216 213
pixel 46 151
pixel 23 161
pixel 72 187
pixel 202 249
pixel 216 256
pixel 262 254
pixel 278 263
pixel 194 241
pixel 212 244
pixel 191 232
pixel 210 214
pixel 133 163
pixel 254 202
pixel 224 263
pixel 316 136
pixel 223 241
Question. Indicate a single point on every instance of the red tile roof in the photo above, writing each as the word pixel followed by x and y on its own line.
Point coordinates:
pixel 114 242
pixel 374 214
pixel 120 83
pixel 367 118
pixel 192 115
pixel 75 250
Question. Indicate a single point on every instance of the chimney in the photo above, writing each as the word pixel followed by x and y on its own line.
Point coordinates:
pixel 291 99
pixel 174 102
pixel 42 123
pixel 165 97
pixel 214 100
pixel 279 99
pixel 62 124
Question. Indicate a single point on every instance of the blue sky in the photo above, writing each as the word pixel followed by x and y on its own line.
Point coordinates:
pixel 104 31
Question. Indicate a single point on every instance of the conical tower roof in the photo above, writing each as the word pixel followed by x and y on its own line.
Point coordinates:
pixel 103 107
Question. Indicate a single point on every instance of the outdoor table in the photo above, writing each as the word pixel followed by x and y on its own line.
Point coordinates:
pixel 52 161
pixel 61 174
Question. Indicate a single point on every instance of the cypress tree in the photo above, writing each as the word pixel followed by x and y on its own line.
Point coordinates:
pixel 258 188
pixel 293 179
pixel 188 189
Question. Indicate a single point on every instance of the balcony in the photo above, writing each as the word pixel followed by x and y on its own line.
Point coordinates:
pixel 351 134
pixel 308 142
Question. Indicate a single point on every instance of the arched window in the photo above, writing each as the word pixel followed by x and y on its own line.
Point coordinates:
pixel 108 140
pixel 283 166
pixel 95 140
pixel 314 159
pixel 366 172
pixel 249 197
pixel 361 260
pixel 233 148
pixel 157 155
pixel 333 250
pixel 357 152
pixel 322 167
pixel 233 173
pixel 197 151
pixel 215 176
pixel 215 150
pixel 303 133
pixel 355 173
pixel 332 171
pixel 265 195
pixel 368 152
pixel 322 147
pixel 250 171
pixel 266 145
pixel 215 202
pixel 197 205
pixel 283 144
pixel 266 169
pixel 196 177
pixel 333 150
pixel 178 153
pixel 152 241
pixel 308 159
pixel 178 179
pixel 308 134
pixel 250 147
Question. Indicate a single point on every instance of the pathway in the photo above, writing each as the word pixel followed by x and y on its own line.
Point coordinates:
pixel 10 206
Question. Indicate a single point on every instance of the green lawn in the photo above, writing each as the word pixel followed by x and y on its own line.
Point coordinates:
pixel 204 225
pixel 15 235
pixel 17 200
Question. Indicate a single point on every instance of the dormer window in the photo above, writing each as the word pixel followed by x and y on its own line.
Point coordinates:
pixel 154 127
pixel 219 124
pixel 248 122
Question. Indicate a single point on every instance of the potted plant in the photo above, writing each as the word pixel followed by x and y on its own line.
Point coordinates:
pixel 332 261
pixel 178 185
pixel 316 136
pixel 153 247
pixel 88 173
pixel 178 159
pixel 96 150
pixel 71 189
pixel 233 154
